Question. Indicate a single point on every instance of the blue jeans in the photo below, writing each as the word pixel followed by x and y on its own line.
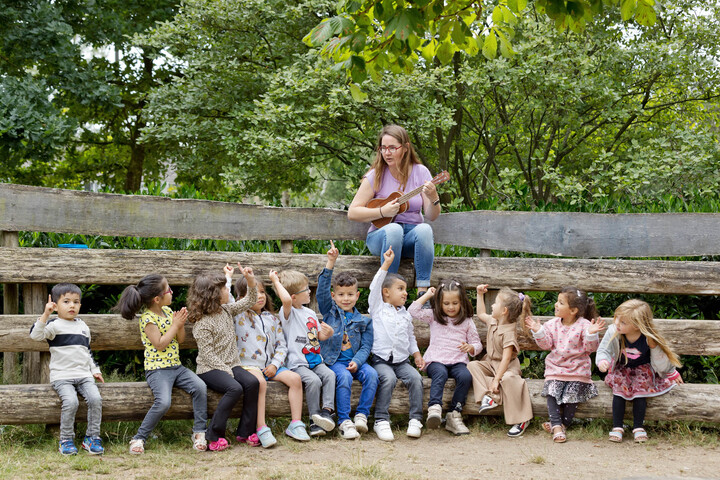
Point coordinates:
pixel 161 382
pixel 388 375
pixel 412 241
pixel 368 378
pixel 439 373
pixel 67 390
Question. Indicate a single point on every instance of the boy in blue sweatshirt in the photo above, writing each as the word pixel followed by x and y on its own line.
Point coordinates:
pixel 347 350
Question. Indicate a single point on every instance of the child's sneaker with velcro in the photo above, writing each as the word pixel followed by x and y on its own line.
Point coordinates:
pixel 518 429
pixel 434 417
pixel 487 404
pixel 324 420
pixel 348 431
pixel 67 447
pixel 93 445
pixel 454 423
pixel 361 423
pixel 316 430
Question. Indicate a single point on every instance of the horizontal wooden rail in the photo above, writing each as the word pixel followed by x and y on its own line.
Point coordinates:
pixel 131 401
pixel 118 267
pixel 112 332
pixel 583 235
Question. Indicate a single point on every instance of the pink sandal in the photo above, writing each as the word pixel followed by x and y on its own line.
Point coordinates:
pixel 640 435
pixel 218 445
pixel 616 434
pixel 559 435
pixel 252 441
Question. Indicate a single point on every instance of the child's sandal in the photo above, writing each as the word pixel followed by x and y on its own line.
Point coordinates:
pixel 547 426
pixel 640 435
pixel 559 435
pixel 137 446
pixel 616 434
pixel 199 441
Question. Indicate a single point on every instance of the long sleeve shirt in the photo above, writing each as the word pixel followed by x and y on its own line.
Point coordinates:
pixel 570 348
pixel 69 340
pixel 394 335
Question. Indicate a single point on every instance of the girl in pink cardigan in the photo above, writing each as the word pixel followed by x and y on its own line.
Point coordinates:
pixel 571 338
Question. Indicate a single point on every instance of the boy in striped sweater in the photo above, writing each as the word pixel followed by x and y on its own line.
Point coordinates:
pixel 72 368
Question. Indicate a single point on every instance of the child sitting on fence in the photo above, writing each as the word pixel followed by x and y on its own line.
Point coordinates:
pixel 263 351
pixel 72 368
pixel 640 365
pixel 453 336
pixel 218 362
pixel 347 351
pixel 303 334
pixel 571 338
pixel 394 341
pixel 162 331
pixel 496 377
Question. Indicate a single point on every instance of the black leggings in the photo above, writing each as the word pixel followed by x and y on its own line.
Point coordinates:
pixel 639 407
pixel 560 413
pixel 241 385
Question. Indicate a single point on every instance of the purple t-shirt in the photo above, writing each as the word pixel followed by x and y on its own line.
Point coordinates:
pixel 419 174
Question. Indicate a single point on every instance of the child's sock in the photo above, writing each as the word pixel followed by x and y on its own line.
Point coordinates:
pixel 260 428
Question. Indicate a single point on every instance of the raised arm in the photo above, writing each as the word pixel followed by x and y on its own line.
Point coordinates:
pixel 282 294
pixel 324 296
pixel 481 310
pixel 247 302
pixel 40 330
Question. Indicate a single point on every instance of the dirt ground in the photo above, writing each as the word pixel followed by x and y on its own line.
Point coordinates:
pixel 437 455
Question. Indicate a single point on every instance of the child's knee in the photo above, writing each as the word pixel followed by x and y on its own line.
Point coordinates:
pixel 70 403
pixel 343 379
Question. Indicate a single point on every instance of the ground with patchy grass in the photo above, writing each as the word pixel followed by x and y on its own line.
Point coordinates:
pixel 673 451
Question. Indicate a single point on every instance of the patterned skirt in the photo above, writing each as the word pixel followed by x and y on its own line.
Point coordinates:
pixel 569 392
pixel 640 381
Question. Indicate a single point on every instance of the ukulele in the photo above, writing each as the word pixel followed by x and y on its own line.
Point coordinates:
pixel 402 199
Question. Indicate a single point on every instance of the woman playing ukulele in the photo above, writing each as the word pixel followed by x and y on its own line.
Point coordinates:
pixel 397 168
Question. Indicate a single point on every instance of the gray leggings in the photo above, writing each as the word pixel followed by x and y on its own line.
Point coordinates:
pixel 68 390
pixel 562 413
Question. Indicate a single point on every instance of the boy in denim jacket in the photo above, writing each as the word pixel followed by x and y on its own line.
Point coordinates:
pixel 347 350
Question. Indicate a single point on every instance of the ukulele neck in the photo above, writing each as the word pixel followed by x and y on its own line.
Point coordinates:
pixel 407 196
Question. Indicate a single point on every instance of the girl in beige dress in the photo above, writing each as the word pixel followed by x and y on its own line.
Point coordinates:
pixel 496 377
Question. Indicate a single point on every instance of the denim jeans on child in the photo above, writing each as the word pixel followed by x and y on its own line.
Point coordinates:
pixel 161 382
pixel 368 378
pixel 388 375
pixel 68 390
pixel 439 373
pixel 413 241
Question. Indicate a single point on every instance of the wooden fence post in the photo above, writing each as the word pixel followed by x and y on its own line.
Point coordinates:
pixel 11 304
pixel 36 365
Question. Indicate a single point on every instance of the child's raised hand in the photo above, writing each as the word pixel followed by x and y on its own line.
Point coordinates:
pixel 481 289
pixel 273 276
pixel 248 274
pixel 333 253
pixel 596 325
pixel 50 306
pixel 180 317
pixel 228 270
pixel 603 365
pixel 389 255
pixel 532 324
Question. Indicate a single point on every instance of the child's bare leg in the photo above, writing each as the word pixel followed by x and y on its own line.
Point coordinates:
pixel 295 392
pixel 261 395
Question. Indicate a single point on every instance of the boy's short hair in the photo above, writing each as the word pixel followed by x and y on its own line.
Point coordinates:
pixel 64 288
pixel 344 279
pixel 391 278
pixel 293 281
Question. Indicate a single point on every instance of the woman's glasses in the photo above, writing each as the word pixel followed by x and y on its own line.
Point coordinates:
pixel 390 149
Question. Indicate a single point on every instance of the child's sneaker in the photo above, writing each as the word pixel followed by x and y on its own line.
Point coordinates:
pixel 324 420
pixel 297 431
pixel 454 423
pixel 93 445
pixel 383 431
pixel 267 439
pixel 361 423
pixel 218 445
pixel 348 431
pixel 316 430
pixel 518 429
pixel 487 404
pixel 434 418
pixel 414 429
pixel 67 447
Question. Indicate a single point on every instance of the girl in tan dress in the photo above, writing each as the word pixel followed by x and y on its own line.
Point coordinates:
pixel 496 377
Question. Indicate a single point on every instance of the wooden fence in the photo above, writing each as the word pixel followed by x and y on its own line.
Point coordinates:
pixel 590 238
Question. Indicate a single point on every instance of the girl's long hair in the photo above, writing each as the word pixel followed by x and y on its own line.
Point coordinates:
pixel 640 315
pixel 466 309
pixel 410 157
pixel 579 299
pixel 205 296
pixel 134 297
pixel 518 304
pixel 241 291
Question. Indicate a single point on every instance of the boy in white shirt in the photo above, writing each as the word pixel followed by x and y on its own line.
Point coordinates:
pixel 72 368
pixel 393 342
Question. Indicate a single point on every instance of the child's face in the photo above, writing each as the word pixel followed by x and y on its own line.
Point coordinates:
pixel 563 310
pixel 498 310
pixel 346 297
pixel 625 326
pixel 68 306
pixel 261 300
pixel 396 294
pixel 451 304
pixel 302 297
pixel 165 297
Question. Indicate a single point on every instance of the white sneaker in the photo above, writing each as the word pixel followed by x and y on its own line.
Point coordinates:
pixel 434 418
pixel 383 431
pixel 361 423
pixel 487 404
pixel 454 423
pixel 414 428
pixel 347 430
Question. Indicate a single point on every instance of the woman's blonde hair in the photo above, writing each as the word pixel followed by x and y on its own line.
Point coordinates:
pixel 410 157
pixel 640 315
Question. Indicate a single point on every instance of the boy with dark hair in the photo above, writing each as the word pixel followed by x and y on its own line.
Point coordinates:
pixel 72 368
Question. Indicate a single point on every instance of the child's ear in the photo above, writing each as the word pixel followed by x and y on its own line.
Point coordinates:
pixel 332 295
pixel 385 291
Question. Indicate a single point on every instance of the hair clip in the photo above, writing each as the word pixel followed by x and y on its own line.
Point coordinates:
pixel 521 297
pixel 579 294
pixel 442 285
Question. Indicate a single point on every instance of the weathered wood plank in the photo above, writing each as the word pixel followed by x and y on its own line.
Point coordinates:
pixel 550 233
pixel 112 332
pixel 584 235
pixel 130 401
pixel 118 267
pixel 11 304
